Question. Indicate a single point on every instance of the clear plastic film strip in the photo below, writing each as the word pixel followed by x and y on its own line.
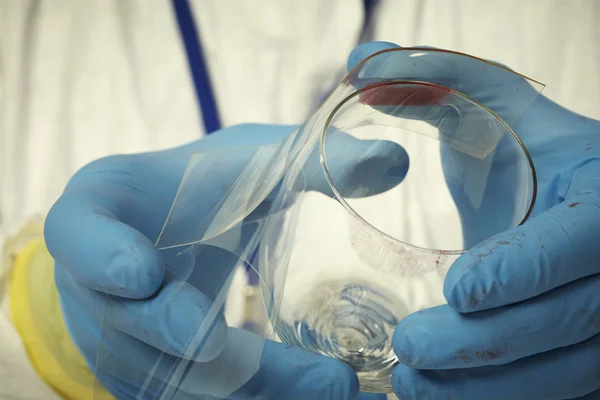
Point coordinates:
pixel 351 222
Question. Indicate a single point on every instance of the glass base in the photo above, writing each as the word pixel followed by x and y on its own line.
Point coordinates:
pixel 377 382
pixel 352 323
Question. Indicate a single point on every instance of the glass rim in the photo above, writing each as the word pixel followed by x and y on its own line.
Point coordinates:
pixel 436 50
pixel 354 213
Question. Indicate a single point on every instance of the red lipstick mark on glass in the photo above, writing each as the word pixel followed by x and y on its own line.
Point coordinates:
pixel 403 94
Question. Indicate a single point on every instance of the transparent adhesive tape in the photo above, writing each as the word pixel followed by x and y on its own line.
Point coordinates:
pixel 351 223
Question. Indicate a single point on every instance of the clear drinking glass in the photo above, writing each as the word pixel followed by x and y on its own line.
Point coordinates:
pixel 407 192
pixel 354 219
pixel 416 173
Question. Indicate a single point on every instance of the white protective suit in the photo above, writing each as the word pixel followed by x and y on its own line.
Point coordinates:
pixel 80 80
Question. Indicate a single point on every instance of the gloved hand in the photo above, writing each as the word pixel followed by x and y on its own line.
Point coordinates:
pixel 109 274
pixel 523 313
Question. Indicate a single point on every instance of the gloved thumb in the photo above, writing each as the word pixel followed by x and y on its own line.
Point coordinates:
pixel 505 92
pixel 84 236
pixel 365 50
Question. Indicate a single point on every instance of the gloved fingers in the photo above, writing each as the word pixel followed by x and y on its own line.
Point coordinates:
pixel 464 73
pixel 99 251
pixel 550 250
pixel 178 320
pixel 564 373
pixel 441 338
pixel 365 50
pixel 357 168
pixel 405 101
pixel 248 367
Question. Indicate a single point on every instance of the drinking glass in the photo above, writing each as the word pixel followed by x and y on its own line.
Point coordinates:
pixel 416 174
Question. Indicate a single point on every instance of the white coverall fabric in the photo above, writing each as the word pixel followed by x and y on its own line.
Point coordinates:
pixel 81 80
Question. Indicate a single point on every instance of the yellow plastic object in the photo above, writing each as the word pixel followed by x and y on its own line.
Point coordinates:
pixel 35 312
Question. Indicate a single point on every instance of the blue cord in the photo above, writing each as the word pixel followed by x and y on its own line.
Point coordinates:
pixel 197 65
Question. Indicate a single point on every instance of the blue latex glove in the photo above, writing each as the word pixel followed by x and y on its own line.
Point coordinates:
pixel 523 313
pixel 101 233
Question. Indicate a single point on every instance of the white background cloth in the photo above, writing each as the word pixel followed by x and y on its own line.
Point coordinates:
pixel 83 79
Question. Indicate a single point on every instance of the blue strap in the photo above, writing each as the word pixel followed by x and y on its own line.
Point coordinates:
pixel 368 5
pixel 197 65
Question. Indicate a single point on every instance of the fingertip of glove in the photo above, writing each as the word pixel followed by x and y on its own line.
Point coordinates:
pixel 99 251
pixel 404 383
pixel 409 340
pixel 134 270
pixel 361 168
pixel 365 50
pixel 453 291
pixel 465 287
